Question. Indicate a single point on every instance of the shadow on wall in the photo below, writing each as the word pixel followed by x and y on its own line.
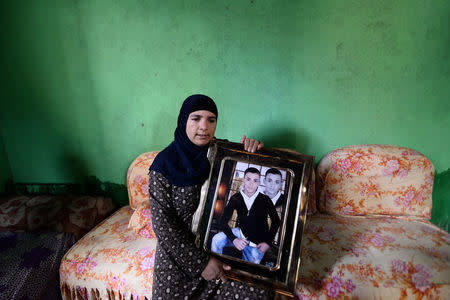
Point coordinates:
pixel 440 213
pixel 74 166
pixel 5 169
pixel 51 102
pixel 285 138
pixel 117 192
pixel 92 186
pixel 78 168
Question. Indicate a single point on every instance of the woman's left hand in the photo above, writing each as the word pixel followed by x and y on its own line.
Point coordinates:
pixel 215 270
pixel 251 145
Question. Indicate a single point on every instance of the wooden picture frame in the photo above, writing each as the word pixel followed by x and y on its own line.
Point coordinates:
pixel 276 268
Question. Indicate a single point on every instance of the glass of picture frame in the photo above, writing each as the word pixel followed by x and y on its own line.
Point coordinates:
pixel 253 213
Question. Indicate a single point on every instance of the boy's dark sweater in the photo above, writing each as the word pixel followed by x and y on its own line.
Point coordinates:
pixel 253 223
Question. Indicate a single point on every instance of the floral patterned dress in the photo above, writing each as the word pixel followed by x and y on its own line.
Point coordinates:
pixel 178 262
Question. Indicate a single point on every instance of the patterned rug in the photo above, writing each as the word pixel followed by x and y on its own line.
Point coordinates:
pixel 29 264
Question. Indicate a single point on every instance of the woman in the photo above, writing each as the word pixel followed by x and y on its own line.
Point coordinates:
pixel 183 271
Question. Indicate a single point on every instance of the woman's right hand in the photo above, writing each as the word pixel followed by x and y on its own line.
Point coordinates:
pixel 251 145
pixel 215 270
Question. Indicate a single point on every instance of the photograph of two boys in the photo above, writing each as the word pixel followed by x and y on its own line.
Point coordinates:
pixel 248 212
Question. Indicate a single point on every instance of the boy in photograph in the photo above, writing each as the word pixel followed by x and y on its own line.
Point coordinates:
pixel 253 235
pixel 273 181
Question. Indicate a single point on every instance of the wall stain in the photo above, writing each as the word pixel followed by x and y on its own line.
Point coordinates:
pixel 379 25
pixel 339 47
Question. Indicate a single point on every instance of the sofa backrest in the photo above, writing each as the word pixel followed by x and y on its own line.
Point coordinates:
pixel 375 179
pixel 137 179
pixel 75 214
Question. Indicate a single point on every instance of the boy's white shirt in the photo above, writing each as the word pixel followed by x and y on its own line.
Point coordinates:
pixel 275 199
pixel 249 200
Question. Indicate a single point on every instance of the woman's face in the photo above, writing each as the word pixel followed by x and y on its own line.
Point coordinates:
pixel 200 127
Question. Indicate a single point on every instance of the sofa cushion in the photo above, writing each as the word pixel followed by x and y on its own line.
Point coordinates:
pixel 109 261
pixel 141 221
pixel 62 213
pixel 137 179
pixel 374 257
pixel 375 179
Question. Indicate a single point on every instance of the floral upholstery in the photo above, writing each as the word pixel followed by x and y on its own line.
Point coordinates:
pixel 377 250
pixel 137 179
pixel 110 262
pixel 374 257
pixel 137 184
pixel 373 239
pixel 375 179
pixel 65 213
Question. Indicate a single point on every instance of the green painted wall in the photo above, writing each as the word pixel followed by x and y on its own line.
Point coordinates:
pixel 5 169
pixel 89 85
pixel 440 214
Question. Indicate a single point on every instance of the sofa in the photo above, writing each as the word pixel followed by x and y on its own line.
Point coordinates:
pixel 35 232
pixel 367 235
pixel 372 237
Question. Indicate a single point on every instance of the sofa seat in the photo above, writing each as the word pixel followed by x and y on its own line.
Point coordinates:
pixel 374 257
pixel 370 257
pixel 110 262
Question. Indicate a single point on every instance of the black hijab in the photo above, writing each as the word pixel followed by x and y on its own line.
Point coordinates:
pixel 182 162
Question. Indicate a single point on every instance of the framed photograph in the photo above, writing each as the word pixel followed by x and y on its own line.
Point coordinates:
pixel 253 213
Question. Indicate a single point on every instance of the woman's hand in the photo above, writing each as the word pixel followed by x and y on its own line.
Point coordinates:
pixel 251 145
pixel 215 270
